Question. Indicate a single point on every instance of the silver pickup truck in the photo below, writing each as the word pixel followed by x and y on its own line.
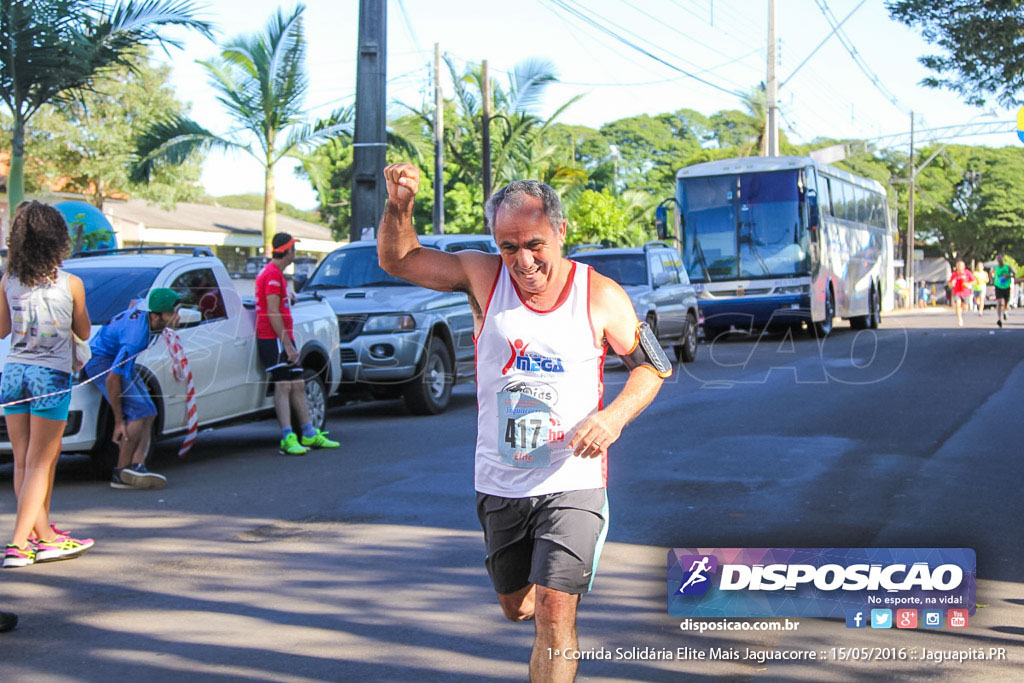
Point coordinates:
pixel 220 345
pixel 398 339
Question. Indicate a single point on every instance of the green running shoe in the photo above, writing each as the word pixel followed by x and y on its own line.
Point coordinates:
pixel 319 440
pixel 290 445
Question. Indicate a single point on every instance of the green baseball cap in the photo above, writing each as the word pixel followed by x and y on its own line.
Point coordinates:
pixel 161 300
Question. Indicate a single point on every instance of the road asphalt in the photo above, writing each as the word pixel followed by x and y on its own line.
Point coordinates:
pixel 367 563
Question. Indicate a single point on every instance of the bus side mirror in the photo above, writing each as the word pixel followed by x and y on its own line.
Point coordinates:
pixel 812 205
pixel 661 222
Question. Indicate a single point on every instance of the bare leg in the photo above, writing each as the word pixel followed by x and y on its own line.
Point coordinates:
pixel 17 429
pixel 298 400
pixel 519 606
pixel 555 625
pixel 282 401
pixel 145 427
pixel 130 444
pixel 43 448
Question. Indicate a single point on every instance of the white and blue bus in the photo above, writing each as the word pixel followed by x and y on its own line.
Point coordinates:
pixel 785 239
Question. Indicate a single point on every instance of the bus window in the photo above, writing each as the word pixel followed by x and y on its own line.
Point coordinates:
pixel 825 198
pixel 709 211
pixel 863 208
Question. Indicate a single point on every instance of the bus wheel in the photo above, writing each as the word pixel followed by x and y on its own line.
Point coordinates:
pixel 863 322
pixel 876 309
pixel 824 328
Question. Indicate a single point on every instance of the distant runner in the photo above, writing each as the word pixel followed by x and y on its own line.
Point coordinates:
pixel 961 281
pixel 1002 278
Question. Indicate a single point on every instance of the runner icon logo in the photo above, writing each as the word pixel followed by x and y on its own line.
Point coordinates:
pixel 696 581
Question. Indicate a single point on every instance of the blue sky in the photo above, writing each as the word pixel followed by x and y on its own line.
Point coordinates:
pixel 724 40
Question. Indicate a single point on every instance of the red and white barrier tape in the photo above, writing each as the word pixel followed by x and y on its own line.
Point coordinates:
pixel 183 373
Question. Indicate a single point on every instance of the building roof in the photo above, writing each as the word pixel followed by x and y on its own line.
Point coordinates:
pixel 189 216
pixel 188 223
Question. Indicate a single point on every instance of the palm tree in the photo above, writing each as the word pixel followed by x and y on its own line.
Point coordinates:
pixel 51 49
pixel 262 82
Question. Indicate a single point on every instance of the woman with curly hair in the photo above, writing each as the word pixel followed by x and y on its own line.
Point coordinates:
pixel 40 307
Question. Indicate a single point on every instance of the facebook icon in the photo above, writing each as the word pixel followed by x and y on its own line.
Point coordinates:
pixel 855 618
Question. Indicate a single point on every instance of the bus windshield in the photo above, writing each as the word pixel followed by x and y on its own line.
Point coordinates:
pixel 744 225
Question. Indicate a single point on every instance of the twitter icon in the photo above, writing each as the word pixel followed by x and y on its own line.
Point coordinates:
pixel 881 618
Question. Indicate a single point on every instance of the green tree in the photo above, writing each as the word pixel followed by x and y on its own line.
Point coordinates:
pixel 261 81
pixel 980 43
pixel 971 203
pixel 603 218
pixel 51 50
pixel 91 139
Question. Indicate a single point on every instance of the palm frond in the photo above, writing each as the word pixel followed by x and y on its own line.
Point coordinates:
pixel 528 82
pixel 171 141
pixel 139 19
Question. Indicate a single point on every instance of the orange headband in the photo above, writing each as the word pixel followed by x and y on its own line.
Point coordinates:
pixel 284 247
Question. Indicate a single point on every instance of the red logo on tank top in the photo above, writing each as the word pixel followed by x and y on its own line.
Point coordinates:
pixel 529 362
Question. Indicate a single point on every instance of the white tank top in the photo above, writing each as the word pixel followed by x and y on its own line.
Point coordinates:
pixel 538 376
pixel 41 323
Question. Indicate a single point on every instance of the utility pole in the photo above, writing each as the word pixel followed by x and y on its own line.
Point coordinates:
pixel 369 192
pixel 772 87
pixel 485 85
pixel 910 213
pixel 438 145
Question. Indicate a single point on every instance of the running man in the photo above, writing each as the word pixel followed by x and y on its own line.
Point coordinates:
pixel 275 341
pixel 961 282
pixel 980 286
pixel 1002 278
pixel 114 348
pixel 541 324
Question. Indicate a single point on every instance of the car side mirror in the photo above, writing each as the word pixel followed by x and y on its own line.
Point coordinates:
pixel 188 317
pixel 812 205
pixel 299 281
pixel 661 222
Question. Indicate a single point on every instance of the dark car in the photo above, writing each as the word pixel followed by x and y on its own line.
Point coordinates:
pixel 398 339
pixel 656 283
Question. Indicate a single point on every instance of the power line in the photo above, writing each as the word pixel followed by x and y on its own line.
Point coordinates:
pixel 857 58
pixel 582 16
pixel 672 28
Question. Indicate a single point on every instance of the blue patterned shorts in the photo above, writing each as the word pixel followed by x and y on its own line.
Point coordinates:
pixel 25 381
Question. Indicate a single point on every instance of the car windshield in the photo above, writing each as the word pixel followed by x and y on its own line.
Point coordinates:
pixel 626 269
pixel 108 291
pixel 744 225
pixel 352 268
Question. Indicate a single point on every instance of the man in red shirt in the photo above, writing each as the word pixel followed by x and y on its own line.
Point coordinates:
pixel 275 342
pixel 961 281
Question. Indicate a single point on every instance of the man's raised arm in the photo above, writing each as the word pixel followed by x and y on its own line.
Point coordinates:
pixel 398 248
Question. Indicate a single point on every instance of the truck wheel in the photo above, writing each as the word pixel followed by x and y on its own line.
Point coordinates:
pixel 316 401
pixel 429 392
pixel 687 351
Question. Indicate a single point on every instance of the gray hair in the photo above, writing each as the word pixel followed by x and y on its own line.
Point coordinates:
pixel 512 196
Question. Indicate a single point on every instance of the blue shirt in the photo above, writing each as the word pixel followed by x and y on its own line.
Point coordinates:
pixel 126 335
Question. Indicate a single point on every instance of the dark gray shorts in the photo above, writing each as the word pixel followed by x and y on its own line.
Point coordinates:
pixel 553 540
